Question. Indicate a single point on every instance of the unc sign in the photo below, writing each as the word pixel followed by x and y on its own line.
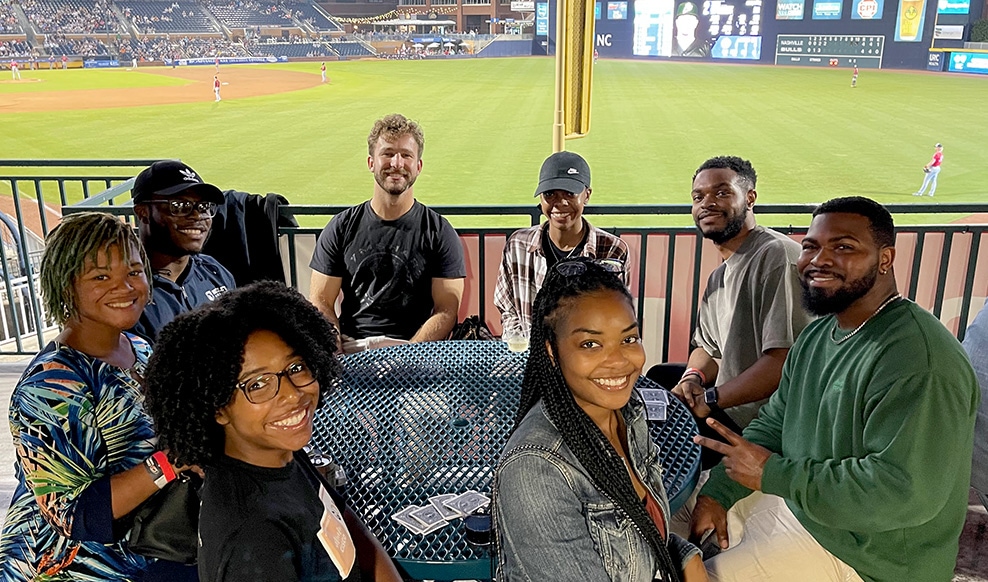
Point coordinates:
pixel 604 40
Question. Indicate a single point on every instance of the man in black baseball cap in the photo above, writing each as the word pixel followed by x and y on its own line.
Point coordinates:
pixel 564 189
pixel 175 209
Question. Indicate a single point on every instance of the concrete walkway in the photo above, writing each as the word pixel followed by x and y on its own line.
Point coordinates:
pixel 972 561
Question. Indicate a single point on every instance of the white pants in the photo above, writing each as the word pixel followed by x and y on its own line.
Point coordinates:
pixel 768 544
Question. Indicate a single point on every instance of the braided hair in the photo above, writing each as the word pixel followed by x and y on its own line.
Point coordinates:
pixel 544 381
pixel 198 358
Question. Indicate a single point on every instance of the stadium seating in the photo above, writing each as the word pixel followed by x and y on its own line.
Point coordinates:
pixel 291 50
pixel 308 13
pixel 14 49
pixel 350 48
pixel 167 16
pixel 58 45
pixel 162 49
pixel 71 16
pixel 8 20
pixel 245 13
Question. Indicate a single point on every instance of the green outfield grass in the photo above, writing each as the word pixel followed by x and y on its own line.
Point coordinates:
pixel 488 127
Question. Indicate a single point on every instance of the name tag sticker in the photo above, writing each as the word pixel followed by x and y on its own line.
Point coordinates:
pixel 334 536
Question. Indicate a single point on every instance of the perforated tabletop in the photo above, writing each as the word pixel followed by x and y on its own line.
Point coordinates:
pixel 418 420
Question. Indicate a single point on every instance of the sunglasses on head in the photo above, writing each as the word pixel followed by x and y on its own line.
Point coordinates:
pixel 572 268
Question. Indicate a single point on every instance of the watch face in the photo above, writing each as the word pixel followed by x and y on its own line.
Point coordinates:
pixel 710 396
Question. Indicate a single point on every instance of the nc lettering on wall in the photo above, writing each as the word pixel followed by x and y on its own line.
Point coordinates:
pixel 604 40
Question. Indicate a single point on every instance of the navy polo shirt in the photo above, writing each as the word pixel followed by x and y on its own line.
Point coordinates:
pixel 203 280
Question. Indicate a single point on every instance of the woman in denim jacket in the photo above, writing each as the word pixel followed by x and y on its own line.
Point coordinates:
pixel 578 493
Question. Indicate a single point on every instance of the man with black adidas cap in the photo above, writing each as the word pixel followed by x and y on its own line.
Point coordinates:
pixel 175 210
pixel 564 189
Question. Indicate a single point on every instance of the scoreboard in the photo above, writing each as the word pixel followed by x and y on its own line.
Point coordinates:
pixel 830 50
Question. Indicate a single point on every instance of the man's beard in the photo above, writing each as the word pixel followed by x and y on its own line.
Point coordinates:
pixel 382 180
pixel 819 302
pixel 730 230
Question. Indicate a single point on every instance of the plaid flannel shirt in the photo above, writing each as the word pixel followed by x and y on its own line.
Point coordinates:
pixel 523 269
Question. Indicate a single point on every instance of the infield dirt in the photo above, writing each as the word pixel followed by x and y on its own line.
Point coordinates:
pixel 239 82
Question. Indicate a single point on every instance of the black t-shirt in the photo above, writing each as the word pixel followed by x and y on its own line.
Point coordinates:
pixel 259 524
pixel 554 254
pixel 387 267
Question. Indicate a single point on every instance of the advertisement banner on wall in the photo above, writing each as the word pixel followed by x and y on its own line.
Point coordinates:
pixel 785 10
pixel 949 32
pixel 542 19
pixel 867 9
pixel 953 6
pixel 968 63
pixel 935 61
pixel 827 9
pixel 522 6
pixel 909 21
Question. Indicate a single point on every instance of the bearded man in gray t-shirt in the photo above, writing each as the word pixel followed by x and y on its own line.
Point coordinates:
pixel 750 313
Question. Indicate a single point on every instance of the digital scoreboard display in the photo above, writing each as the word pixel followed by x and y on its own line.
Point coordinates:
pixel 830 50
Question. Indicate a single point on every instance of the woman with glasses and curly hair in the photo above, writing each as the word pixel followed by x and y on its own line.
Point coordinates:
pixel 85 447
pixel 233 387
pixel 578 492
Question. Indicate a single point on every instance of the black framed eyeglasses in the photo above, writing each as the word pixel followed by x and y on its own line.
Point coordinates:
pixel 182 208
pixel 262 388
pixel 575 267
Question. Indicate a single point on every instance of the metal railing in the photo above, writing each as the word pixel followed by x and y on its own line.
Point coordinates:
pixel 937 265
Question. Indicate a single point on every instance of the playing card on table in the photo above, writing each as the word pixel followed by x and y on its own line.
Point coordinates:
pixel 404 518
pixel 428 516
pixel 447 513
pixel 655 411
pixel 655 395
pixel 468 502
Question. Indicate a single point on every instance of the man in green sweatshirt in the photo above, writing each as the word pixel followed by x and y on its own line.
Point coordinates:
pixel 858 467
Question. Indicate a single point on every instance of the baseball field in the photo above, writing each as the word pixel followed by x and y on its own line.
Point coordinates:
pixel 488 127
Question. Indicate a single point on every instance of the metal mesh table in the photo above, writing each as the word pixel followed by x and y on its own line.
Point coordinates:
pixel 417 420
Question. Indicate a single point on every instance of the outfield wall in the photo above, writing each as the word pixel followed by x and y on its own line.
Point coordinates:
pixel 750 30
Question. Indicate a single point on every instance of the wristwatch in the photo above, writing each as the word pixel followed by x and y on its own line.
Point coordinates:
pixel 710 396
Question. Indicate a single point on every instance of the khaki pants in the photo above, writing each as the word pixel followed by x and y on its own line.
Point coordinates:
pixel 768 544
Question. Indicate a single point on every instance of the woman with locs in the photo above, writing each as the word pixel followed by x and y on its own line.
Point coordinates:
pixel 578 493
pixel 86 452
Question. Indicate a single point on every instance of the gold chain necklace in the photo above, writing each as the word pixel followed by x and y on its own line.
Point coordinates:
pixel 833 330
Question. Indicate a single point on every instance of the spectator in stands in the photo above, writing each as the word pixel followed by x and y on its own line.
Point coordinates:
pixel 976 345
pixel 84 443
pixel 234 386
pixel 175 210
pixel 859 465
pixel 529 253
pixel 398 263
pixel 579 492
pixel 750 313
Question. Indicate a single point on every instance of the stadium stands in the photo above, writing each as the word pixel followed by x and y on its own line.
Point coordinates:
pixel 291 50
pixel 71 16
pixel 14 48
pixel 167 16
pixel 244 13
pixel 165 49
pixel 57 44
pixel 350 48
pixel 8 20
pixel 308 13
